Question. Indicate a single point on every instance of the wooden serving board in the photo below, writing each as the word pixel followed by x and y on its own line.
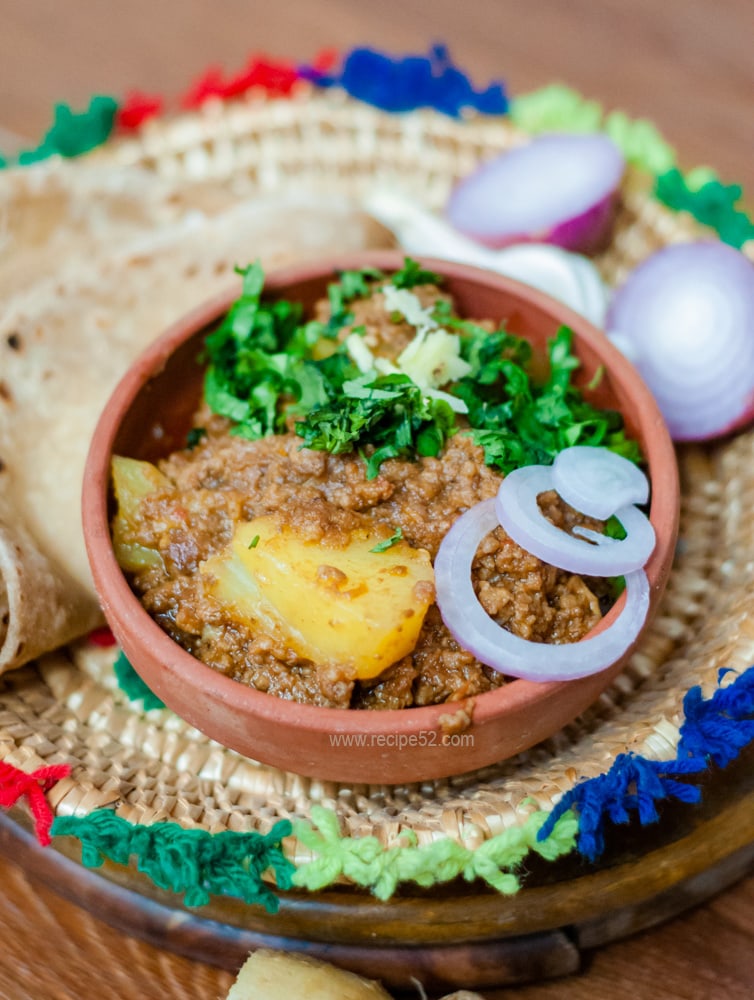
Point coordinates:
pixel 458 936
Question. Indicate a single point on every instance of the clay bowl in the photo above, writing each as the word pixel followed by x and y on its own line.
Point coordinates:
pixel 148 417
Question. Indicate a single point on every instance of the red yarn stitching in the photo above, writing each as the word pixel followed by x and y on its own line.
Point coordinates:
pixel 276 78
pixel 102 637
pixel 325 60
pixel 136 109
pixel 15 783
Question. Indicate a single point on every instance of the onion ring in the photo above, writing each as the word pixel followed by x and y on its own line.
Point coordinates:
pixel 493 645
pixel 519 513
pixel 596 481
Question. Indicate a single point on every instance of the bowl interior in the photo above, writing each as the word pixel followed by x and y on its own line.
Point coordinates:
pixel 150 415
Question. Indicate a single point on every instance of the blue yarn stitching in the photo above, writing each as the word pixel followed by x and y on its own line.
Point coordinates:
pixel 410 82
pixel 715 730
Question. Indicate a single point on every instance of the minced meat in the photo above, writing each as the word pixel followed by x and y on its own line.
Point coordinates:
pixel 226 479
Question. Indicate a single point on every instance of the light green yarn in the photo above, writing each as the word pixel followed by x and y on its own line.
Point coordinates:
pixel 555 108
pixel 640 142
pixel 367 863
pixel 698 177
pixel 559 109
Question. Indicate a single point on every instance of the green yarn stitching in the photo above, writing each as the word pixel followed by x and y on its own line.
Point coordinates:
pixel 710 201
pixel 73 133
pixel 365 861
pixel 555 108
pixel 559 109
pixel 640 142
pixel 133 686
pixel 195 862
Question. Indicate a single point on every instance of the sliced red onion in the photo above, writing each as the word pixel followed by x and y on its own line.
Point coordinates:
pixel 687 314
pixel 596 481
pixel 520 516
pixel 476 632
pixel 557 189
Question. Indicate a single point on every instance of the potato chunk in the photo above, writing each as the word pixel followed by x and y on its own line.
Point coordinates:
pixel 347 605
pixel 132 481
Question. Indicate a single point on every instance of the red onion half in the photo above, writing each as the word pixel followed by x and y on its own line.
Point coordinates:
pixel 476 632
pixel 686 317
pixel 557 189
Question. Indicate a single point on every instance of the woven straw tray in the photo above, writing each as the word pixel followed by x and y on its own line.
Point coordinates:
pixel 150 766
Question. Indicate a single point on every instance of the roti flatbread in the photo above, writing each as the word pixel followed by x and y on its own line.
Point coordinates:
pixel 93 267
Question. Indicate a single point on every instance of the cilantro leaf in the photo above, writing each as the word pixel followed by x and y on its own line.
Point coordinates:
pixel 388 543
pixel 258 362
pixel 195 436
pixel 413 274
pixel 351 285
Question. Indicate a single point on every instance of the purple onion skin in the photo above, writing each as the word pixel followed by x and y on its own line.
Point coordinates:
pixel 482 215
pixel 733 427
pixel 588 233
pixel 656 308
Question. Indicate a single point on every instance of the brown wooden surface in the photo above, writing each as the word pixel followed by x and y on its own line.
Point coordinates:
pixel 687 64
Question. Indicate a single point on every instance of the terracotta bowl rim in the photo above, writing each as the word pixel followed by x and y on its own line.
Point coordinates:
pixel 114 590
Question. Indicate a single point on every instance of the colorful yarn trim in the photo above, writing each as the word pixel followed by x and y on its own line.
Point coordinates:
pixel 16 784
pixel 367 863
pixel 721 727
pixel 137 109
pixel 73 133
pixel 133 686
pixel 712 203
pixel 714 730
pixel 195 862
pixel 102 637
pixel 411 82
pixel 199 863
pixel 556 108
pixel 275 78
pixel 404 84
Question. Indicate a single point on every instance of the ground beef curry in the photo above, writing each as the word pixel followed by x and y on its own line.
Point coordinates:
pixel 175 521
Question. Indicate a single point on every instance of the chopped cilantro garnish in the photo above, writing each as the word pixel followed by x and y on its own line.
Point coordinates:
pixel 518 422
pixel 257 360
pixel 194 436
pixel 267 365
pixel 388 543
pixel 389 412
pixel 413 274
pixel 351 285
pixel 614 529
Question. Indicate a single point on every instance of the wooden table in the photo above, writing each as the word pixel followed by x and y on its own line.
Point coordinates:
pixel 686 64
